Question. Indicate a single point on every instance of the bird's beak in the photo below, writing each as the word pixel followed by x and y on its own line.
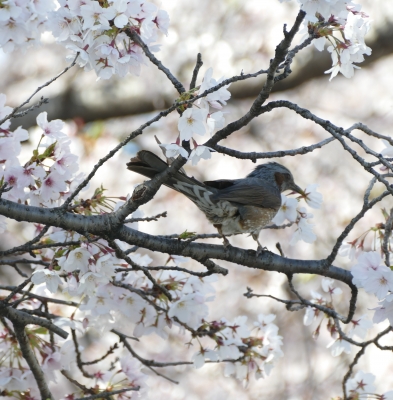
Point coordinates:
pixel 297 189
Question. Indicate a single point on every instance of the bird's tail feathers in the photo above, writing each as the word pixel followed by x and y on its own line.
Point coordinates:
pixel 148 164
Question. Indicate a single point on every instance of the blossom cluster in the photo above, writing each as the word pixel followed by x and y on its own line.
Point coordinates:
pixel 376 278
pixel 199 119
pixel 357 327
pixel 98 31
pixel 48 176
pixel 17 380
pixel 342 26
pixel 115 297
pixel 292 211
pixel 362 384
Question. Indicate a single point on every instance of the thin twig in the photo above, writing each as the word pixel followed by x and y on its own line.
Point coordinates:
pixel 147 219
pixel 175 82
pixel 386 238
pixel 197 67
pixel 31 360
pixel 16 109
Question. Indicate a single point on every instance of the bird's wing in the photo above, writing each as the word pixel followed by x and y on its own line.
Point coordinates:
pixel 252 192
pixel 220 183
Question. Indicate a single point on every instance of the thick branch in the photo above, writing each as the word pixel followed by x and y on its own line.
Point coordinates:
pixel 102 225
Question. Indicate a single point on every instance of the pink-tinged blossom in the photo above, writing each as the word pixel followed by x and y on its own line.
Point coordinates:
pixel 119 7
pixel 52 186
pixel 14 379
pixel 310 316
pixel 52 128
pixel 360 326
pixel 162 21
pixel 218 98
pixel 388 150
pixel 215 122
pixel 52 363
pixel 287 210
pixel 100 303
pixel 49 277
pixel 132 369
pixel 65 164
pixel 312 197
pixel 77 259
pixel 329 287
pixel 4 110
pixel 9 10
pixel 366 262
pixel 235 330
pixel 200 152
pixel 202 355
pixel 173 150
pixel 190 309
pixel 192 121
pixel 12 177
pixel 203 285
pixel 154 323
pixel 304 229
pixel 338 346
pixel 95 17
pixel 265 321
pixel 132 306
pixel 7 148
pixel 379 282
pixel 63 23
pixel 361 384
pixel 90 281
pixel 351 249
pixel 67 354
pixel 384 311
pixel 29 173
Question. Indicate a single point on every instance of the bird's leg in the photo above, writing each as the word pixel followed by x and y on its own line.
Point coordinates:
pixel 260 249
pixel 219 229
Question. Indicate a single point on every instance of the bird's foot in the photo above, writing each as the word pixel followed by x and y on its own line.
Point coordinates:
pixel 261 250
pixel 225 242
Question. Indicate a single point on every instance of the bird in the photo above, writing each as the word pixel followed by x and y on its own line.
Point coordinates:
pixel 233 206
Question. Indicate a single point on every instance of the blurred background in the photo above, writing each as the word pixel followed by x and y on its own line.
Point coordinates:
pixel 232 36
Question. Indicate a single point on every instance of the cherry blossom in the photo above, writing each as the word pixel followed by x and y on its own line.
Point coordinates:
pixel 173 150
pixel 304 229
pixel 287 210
pixel 77 259
pixel 312 197
pixel 199 152
pixel 218 98
pixel 192 121
pixel 388 150
pixel 338 346
pixel 360 327
pixel 362 383
pixel 328 286
pixel 52 128
pixel 384 311
pixel 49 277
pixel 366 262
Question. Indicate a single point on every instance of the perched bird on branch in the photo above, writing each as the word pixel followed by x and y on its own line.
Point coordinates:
pixel 233 206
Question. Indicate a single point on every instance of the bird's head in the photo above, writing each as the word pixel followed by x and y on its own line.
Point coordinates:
pixel 277 173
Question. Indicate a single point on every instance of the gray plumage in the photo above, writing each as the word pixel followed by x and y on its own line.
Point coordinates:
pixel 232 205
